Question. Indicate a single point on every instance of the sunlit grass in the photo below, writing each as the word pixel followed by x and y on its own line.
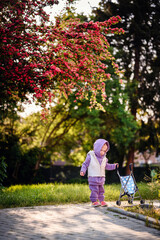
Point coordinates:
pixel 43 194
pixel 150 212
pixel 51 194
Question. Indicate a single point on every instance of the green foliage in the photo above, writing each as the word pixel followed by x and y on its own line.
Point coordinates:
pixel 124 126
pixel 154 181
pixel 45 194
pixel 59 135
pixel 68 134
pixel 27 169
pixel 137 52
pixel 10 147
pixel 20 159
pixel 149 137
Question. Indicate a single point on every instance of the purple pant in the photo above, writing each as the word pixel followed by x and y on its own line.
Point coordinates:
pixel 97 193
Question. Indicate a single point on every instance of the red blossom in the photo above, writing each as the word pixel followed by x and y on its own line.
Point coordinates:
pixel 45 60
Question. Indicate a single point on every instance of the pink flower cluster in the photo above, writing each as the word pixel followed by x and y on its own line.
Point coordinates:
pixel 47 60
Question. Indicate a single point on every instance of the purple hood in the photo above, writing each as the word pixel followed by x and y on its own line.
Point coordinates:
pixel 98 145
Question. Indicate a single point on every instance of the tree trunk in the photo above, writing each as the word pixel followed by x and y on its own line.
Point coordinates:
pixel 130 159
pixel 36 168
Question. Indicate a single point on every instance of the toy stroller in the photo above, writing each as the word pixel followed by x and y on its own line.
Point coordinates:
pixel 128 187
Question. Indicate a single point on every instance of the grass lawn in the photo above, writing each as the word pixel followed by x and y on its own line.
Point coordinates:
pixel 51 194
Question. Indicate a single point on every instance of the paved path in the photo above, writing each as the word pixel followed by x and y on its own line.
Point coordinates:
pixel 71 222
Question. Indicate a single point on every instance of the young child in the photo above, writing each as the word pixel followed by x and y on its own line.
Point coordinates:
pixel 96 163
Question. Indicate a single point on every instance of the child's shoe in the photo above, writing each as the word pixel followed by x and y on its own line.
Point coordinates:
pixel 103 204
pixel 96 204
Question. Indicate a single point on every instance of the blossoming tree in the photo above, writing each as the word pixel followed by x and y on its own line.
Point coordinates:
pixel 46 59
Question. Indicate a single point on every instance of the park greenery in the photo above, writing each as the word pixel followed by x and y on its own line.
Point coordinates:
pixel 73 68
pixel 137 52
pixel 48 194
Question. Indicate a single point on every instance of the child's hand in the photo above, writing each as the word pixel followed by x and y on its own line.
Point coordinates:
pixel 82 174
pixel 117 165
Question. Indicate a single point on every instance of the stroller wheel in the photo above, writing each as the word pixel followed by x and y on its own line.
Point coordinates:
pixel 142 201
pixel 118 203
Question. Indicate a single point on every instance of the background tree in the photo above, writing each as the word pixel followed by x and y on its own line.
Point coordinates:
pixel 138 53
pixel 10 150
pixel 71 55
pixel 3 170
pixel 68 134
pixel 45 59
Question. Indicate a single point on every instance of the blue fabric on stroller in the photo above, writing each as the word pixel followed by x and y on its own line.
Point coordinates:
pixel 128 184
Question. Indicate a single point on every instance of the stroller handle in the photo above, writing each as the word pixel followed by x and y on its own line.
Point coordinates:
pixel 117 169
pixel 130 166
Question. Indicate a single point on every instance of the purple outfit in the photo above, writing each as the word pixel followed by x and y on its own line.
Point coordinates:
pixel 96 184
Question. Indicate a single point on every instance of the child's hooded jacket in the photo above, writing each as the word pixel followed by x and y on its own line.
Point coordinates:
pixel 96 152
